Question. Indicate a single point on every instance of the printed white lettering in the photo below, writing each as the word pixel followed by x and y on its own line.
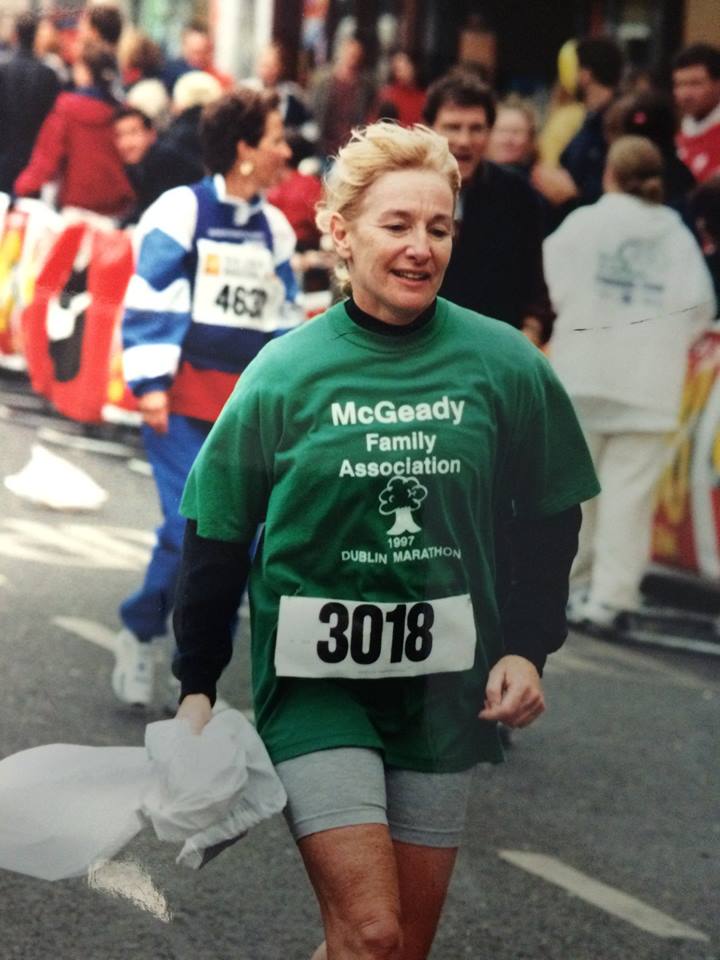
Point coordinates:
pixel 363 556
pixel 426 553
pixel 385 411
pixel 428 466
pixel 417 440
pixel 341 417
pixel 457 407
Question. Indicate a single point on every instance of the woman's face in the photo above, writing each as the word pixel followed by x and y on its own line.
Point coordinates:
pixel 398 246
pixel 511 137
pixel 270 155
pixel 402 70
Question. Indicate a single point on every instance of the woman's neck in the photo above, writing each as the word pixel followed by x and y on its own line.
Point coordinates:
pixel 368 322
pixel 240 186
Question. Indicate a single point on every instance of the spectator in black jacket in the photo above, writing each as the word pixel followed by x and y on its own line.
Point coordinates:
pixel 28 90
pixel 190 94
pixel 578 180
pixel 152 166
pixel 651 114
pixel 496 264
pixel 705 212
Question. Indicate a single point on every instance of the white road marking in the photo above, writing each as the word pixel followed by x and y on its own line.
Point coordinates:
pixel 108 542
pixel 74 544
pixel 127 879
pixel 89 630
pixel 102 636
pixel 601 895
pixel 74 442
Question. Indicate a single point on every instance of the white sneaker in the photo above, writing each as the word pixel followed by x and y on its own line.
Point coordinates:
pixel 134 672
pixel 599 618
pixel 577 602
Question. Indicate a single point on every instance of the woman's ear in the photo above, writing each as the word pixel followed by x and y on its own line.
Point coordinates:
pixel 340 235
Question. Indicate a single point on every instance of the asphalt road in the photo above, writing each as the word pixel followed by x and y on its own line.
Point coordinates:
pixel 599 839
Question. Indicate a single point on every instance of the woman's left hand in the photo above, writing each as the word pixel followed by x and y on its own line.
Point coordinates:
pixel 513 694
pixel 196 709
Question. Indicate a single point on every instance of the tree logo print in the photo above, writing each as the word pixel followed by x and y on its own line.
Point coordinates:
pixel 401 496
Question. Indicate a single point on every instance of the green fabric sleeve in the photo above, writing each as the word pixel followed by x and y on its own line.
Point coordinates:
pixel 230 482
pixel 552 464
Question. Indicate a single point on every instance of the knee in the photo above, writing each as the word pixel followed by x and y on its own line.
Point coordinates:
pixel 379 937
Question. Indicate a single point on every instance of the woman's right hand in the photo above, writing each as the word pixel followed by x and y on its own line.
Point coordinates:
pixel 196 709
pixel 154 407
pixel 554 183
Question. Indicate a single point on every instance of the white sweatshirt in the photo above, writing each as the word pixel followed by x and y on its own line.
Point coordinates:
pixel 631 291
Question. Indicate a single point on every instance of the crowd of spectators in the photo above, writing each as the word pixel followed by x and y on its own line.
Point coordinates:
pixel 113 126
pixel 561 154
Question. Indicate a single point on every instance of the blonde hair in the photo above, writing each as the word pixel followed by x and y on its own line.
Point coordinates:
pixel 195 89
pixel 372 151
pixel 637 166
pixel 514 102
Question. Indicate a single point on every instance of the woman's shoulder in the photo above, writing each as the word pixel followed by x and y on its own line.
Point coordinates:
pixel 65 102
pixel 489 338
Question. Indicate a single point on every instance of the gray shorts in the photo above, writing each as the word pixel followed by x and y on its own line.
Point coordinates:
pixel 346 786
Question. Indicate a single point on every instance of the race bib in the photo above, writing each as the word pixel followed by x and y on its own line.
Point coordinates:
pixel 319 637
pixel 236 286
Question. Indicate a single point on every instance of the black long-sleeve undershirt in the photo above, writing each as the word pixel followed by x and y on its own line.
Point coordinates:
pixel 534 558
pixel 213 574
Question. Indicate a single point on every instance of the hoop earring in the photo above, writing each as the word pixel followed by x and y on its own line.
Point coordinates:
pixel 246 168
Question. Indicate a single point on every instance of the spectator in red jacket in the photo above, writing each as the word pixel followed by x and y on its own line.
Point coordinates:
pixel 76 145
pixel 297 195
pixel 696 85
pixel 401 99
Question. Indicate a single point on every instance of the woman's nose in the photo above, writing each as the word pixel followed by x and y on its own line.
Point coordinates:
pixel 419 245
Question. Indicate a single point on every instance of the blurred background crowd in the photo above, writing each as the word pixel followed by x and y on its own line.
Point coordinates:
pixel 100 105
pixel 588 140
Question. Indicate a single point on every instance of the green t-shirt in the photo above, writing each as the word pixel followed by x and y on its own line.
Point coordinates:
pixel 380 466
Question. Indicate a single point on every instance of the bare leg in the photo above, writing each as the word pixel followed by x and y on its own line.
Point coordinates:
pixel 424 874
pixel 380 900
pixel 354 874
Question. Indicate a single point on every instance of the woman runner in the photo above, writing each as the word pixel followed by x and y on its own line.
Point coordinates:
pixel 399 450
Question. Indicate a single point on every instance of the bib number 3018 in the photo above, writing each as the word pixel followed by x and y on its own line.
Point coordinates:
pixel 361 635
pixel 361 639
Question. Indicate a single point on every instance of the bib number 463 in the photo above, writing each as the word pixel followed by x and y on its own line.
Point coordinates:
pixel 407 628
pixel 241 301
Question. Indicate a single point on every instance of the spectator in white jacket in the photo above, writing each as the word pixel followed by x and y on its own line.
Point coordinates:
pixel 631 291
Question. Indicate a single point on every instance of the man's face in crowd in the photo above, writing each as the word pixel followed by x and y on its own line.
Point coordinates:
pixel 467 131
pixel 696 92
pixel 269 67
pixel 350 55
pixel 133 139
pixel 197 50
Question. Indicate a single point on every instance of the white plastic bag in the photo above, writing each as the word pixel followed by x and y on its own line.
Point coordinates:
pixel 211 788
pixel 65 807
pixel 51 481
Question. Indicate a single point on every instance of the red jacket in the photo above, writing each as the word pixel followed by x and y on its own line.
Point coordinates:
pixel 700 152
pixel 76 146
pixel 297 196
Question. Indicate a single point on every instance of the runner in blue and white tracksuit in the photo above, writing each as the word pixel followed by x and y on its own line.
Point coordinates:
pixel 213 284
